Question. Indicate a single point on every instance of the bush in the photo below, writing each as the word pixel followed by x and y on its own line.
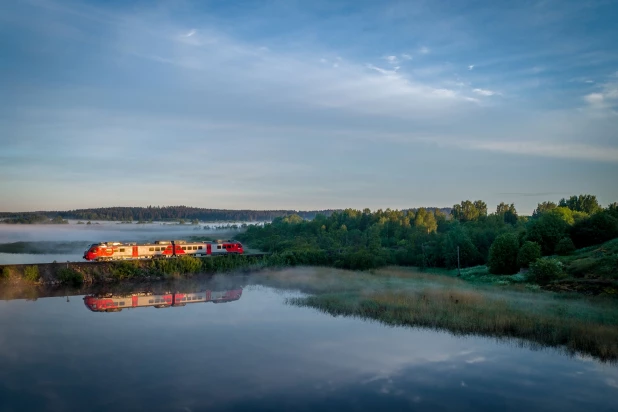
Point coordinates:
pixel 528 254
pixel 503 255
pixel 6 273
pixel 565 247
pixel 125 269
pixel 70 277
pixel 545 270
pixel 31 273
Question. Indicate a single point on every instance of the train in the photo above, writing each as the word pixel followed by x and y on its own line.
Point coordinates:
pixel 160 249
pixel 111 303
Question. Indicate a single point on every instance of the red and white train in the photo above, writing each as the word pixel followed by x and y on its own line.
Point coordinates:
pixel 160 249
pixel 112 303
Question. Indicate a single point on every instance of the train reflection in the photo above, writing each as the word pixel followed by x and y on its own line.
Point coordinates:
pixel 115 303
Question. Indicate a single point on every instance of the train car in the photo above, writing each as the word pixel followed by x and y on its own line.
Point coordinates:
pixel 111 303
pixel 160 249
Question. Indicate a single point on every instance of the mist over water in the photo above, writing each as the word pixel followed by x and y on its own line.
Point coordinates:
pixel 45 243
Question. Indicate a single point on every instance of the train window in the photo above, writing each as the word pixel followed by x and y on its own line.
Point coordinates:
pixel 219 247
pixel 121 303
pixel 184 299
pixel 151 301
pixel 200 247
pixel 115 303
pixel 151 249
pixel 157 249
pixel 121 250
pixel 184 248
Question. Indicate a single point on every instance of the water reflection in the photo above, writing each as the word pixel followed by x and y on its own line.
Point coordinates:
pixel 115 303
pixel 258 353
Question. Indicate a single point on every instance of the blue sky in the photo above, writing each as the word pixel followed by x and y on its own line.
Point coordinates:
pixel 307 104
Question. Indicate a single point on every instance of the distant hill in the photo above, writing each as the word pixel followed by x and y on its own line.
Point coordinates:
pixel 166 213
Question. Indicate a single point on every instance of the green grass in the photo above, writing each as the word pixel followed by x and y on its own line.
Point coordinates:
pixel 31 273
pixel 402 296
pixel 595 262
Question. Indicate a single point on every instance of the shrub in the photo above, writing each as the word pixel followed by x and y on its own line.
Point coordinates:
pixel 529 252
pixel 125 269
pixel 503 255
pixel 70 277
pixel 31 273
pixel 6 273
pixel 565 247
pixel 545 270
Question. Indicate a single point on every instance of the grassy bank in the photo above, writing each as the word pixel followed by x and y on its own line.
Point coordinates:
pixel 402 296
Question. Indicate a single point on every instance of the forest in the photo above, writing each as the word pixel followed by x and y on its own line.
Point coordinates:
pixel 501 239
pixel 163 213
pixel 156 213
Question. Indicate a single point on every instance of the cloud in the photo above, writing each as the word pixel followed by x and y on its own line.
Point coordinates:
pixel 391 59
pixel 547 149
pixel 190 33
pixel 484 92
pixel 406 56
pixel 424 50
pixel 595 99
pixel 470 67
pixel 605 99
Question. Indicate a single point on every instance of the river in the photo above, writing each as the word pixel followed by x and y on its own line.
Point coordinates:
pixel 253 351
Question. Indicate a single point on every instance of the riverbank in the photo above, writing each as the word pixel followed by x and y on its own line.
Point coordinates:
pixel 575 323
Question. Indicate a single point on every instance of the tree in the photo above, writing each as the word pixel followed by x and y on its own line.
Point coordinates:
pixel 507 212
pixel 503 255
pixel 468 253
pixel 468 211
pixel 596 229
pixel 528 254
pixel 582 203
pixel 547 230
pixel 543 207
pixel 612 209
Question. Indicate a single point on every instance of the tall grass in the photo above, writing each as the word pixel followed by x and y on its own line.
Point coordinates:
pixel 394 296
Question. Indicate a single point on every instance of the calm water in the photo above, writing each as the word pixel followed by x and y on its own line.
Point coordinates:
pixel 257 353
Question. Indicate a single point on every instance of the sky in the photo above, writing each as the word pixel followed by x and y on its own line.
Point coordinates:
pixel 291 104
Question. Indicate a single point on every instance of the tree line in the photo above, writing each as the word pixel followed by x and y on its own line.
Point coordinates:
pixel 157 213
pixel 358 239
pixel 164 213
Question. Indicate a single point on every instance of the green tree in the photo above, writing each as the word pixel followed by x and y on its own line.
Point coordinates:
pixel 543 208
pixel 507 212
pixel 503 255
pixel 582 203
pixel 528 253
pixel 468 253
pixel 596 229
pixel 547 230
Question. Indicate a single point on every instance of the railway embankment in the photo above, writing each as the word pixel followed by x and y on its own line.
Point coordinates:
pixel 79 273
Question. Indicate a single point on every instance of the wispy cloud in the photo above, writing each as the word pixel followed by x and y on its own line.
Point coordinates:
pixel 484 92
pixel 424 50
pixel 391 59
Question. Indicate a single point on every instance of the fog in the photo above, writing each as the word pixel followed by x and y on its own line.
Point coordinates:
pixel 45 243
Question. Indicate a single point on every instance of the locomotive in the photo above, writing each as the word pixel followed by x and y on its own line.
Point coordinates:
pixel 160 249
pixel 111 303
